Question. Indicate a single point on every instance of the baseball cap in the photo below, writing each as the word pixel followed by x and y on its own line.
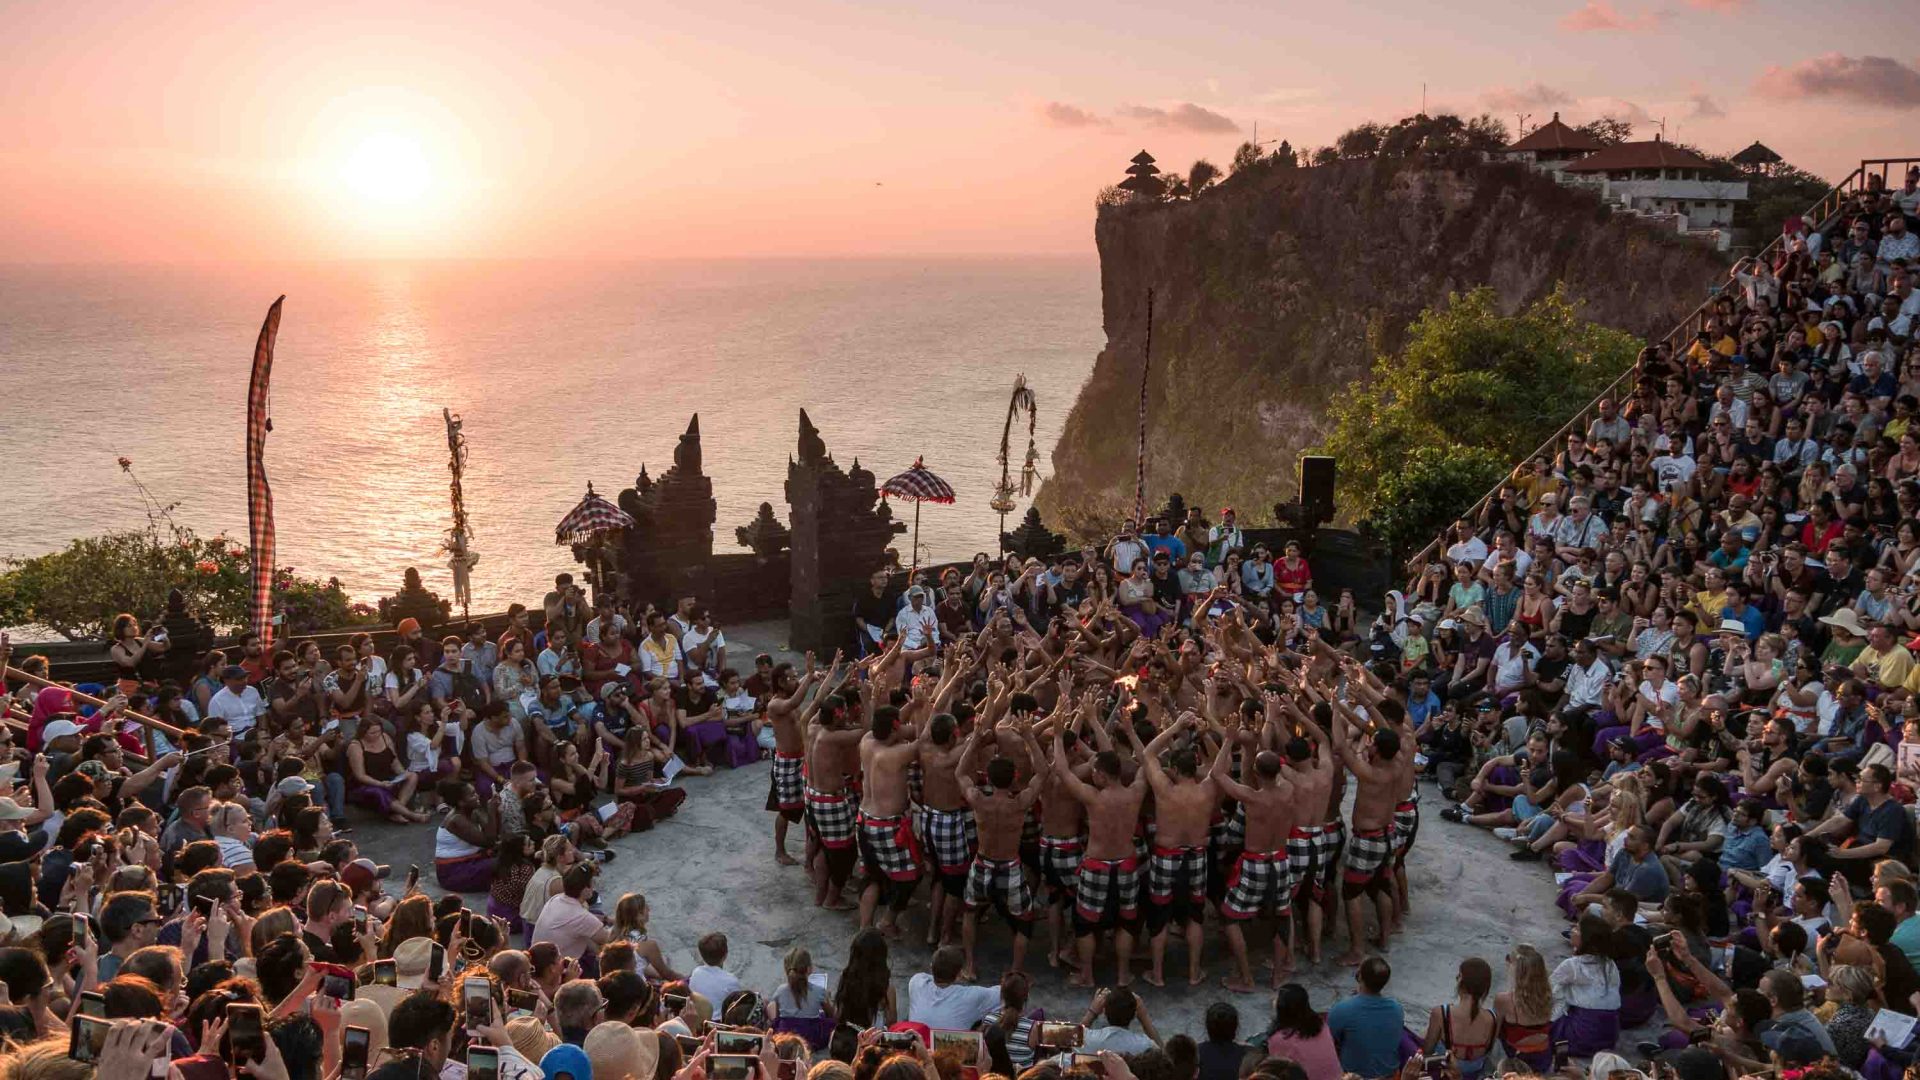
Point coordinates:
pixel 58 729
pixel 1448 624
pixel 93 770
pixel 362 873
pixel 612 687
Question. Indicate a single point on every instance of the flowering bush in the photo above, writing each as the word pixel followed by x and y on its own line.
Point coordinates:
pixel 77 591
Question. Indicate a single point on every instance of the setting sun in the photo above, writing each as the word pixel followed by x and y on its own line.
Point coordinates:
pixel 387 168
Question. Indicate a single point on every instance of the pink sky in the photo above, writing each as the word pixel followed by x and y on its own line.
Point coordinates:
pixel 219 131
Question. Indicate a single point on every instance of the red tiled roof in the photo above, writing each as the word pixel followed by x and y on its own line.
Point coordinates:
pixel 1554 135
pixel 1656 154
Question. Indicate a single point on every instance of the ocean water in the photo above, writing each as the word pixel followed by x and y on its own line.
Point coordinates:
pixel 564 373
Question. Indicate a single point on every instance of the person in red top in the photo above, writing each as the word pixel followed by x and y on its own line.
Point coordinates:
pixel 602 660
pixel 254 659
pixel 1291 574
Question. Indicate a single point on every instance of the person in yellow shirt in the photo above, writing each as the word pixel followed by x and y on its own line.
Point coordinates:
pixel 1710 602
pixel 1884 660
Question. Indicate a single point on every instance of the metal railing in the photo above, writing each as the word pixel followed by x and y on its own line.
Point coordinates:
pixel 1817 217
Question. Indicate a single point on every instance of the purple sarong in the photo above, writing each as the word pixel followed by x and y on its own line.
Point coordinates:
pixel 1587 1031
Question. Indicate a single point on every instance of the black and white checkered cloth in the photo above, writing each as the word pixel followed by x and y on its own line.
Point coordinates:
pixel 1107 891
pixel 1060 861
pixel 1369 854
pixel 788 783
pixel 1261 884
pixel 1001 883
pixel 830 817
pixel 949 837
pixel 1178 872
pixel 887 846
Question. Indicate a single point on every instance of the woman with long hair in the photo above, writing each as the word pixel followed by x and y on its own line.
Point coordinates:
pixel 404 682
pixel 1586 991
pixel 412 918
pixel 1466 1027
pixel 575 793
pixel 131 650
pixel 865 993
pixel 1300 1034
pixel 207 682
pixel 1526 1010
pixel 630 918
pixel 376 779
pixel 636 782
pixel 668 722
pixel 515 860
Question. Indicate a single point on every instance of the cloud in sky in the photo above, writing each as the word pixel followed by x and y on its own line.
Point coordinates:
pixel 1185 116
pixel 1534 95
pixel 1601 15
pixel 1862 80
pixel 1062 115
pixel 1705 108
pixel 1726 7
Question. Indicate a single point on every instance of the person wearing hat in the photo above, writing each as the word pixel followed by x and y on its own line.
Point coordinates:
pixel 1474 655
pixel 19 840
pixel 60 742
pixel 236 702
pixel 563 1062
pixel 917 625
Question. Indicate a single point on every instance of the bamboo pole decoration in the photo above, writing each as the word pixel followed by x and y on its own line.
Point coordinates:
pixel 34 680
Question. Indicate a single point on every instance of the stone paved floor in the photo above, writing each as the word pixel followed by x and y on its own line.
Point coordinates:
pixel 711 868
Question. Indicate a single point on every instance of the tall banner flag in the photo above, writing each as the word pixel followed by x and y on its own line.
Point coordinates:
pixel 259 495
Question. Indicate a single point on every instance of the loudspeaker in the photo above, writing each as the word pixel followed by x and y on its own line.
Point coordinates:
pixel 1316 486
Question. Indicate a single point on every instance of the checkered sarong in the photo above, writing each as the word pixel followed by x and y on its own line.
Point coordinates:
pixel 1107 891
pixel 949 837
pixel 1406 826
pixel 1260 885
pixel 1333 844
pixel 830 817
pixel 888 847
pixel 788 786
pixel 1369 854
pixel 1060 861
pixel 1303 861
pixel 1001 883
pixel 1235 834
pixel 1178 872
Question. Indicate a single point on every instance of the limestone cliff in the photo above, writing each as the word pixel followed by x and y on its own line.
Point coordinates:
pixel 1277 288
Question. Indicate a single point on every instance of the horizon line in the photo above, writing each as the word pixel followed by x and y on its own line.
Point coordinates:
pixel 1091 256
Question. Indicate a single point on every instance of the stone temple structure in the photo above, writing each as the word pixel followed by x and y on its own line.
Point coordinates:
pixel 669 551
pixel 839 538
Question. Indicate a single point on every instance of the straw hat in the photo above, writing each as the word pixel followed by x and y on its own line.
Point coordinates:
pixel 1845 619
pixel 531 1037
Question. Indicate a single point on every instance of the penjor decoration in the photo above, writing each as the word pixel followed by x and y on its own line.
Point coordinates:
pixel 1004 492
pixel 461 558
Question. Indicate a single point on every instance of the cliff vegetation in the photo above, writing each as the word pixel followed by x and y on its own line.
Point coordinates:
pixel 1278 289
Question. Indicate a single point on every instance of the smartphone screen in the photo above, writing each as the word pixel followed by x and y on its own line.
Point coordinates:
pixel 483 1063
pixel 246 1033
pixel 897 1040
pixel 674 1003
pixel 523 999
pixel 1092 1063
pixel 476 997
pixel 730 1067
pixel 94 1004
pixel 353 1053
pixel 1063 1036
pixel 689 1044
pixel 383 973
pixel 88 1039
pixel 736 1042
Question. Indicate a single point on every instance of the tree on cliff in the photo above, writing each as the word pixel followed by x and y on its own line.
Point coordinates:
pixel 1202 176
pixel 1245 157
pixel 1472 392
pixel 1610 130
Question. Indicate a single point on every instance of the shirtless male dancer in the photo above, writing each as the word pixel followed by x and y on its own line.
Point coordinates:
pixel 997 877
pixel 887 844
pixel 1260 884
pixel 786 791
pixel 832 757
pixel 1313 844
pixel 947 828
pixel 1183 808
pixel 1370 850
pixel 1063 822
pixel 1406 804
pixel 1107 888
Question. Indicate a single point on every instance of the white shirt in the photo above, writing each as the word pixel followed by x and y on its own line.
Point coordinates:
pixel 917 629
pixel 1126 553
pixel 238 710
pixel 954 1007
pixel 1521 561
pixel 446 845
pixel 1511 663
pixel 712 983
pixel 1120 1040
pixel 422 756
pixel 1472 549
pixel 1585 982
pixel 1587 686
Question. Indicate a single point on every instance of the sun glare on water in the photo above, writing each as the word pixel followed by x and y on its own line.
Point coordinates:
pixel 387 168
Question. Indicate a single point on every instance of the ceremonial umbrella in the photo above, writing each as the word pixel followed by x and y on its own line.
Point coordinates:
pixel 921 486
pixel 587 523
